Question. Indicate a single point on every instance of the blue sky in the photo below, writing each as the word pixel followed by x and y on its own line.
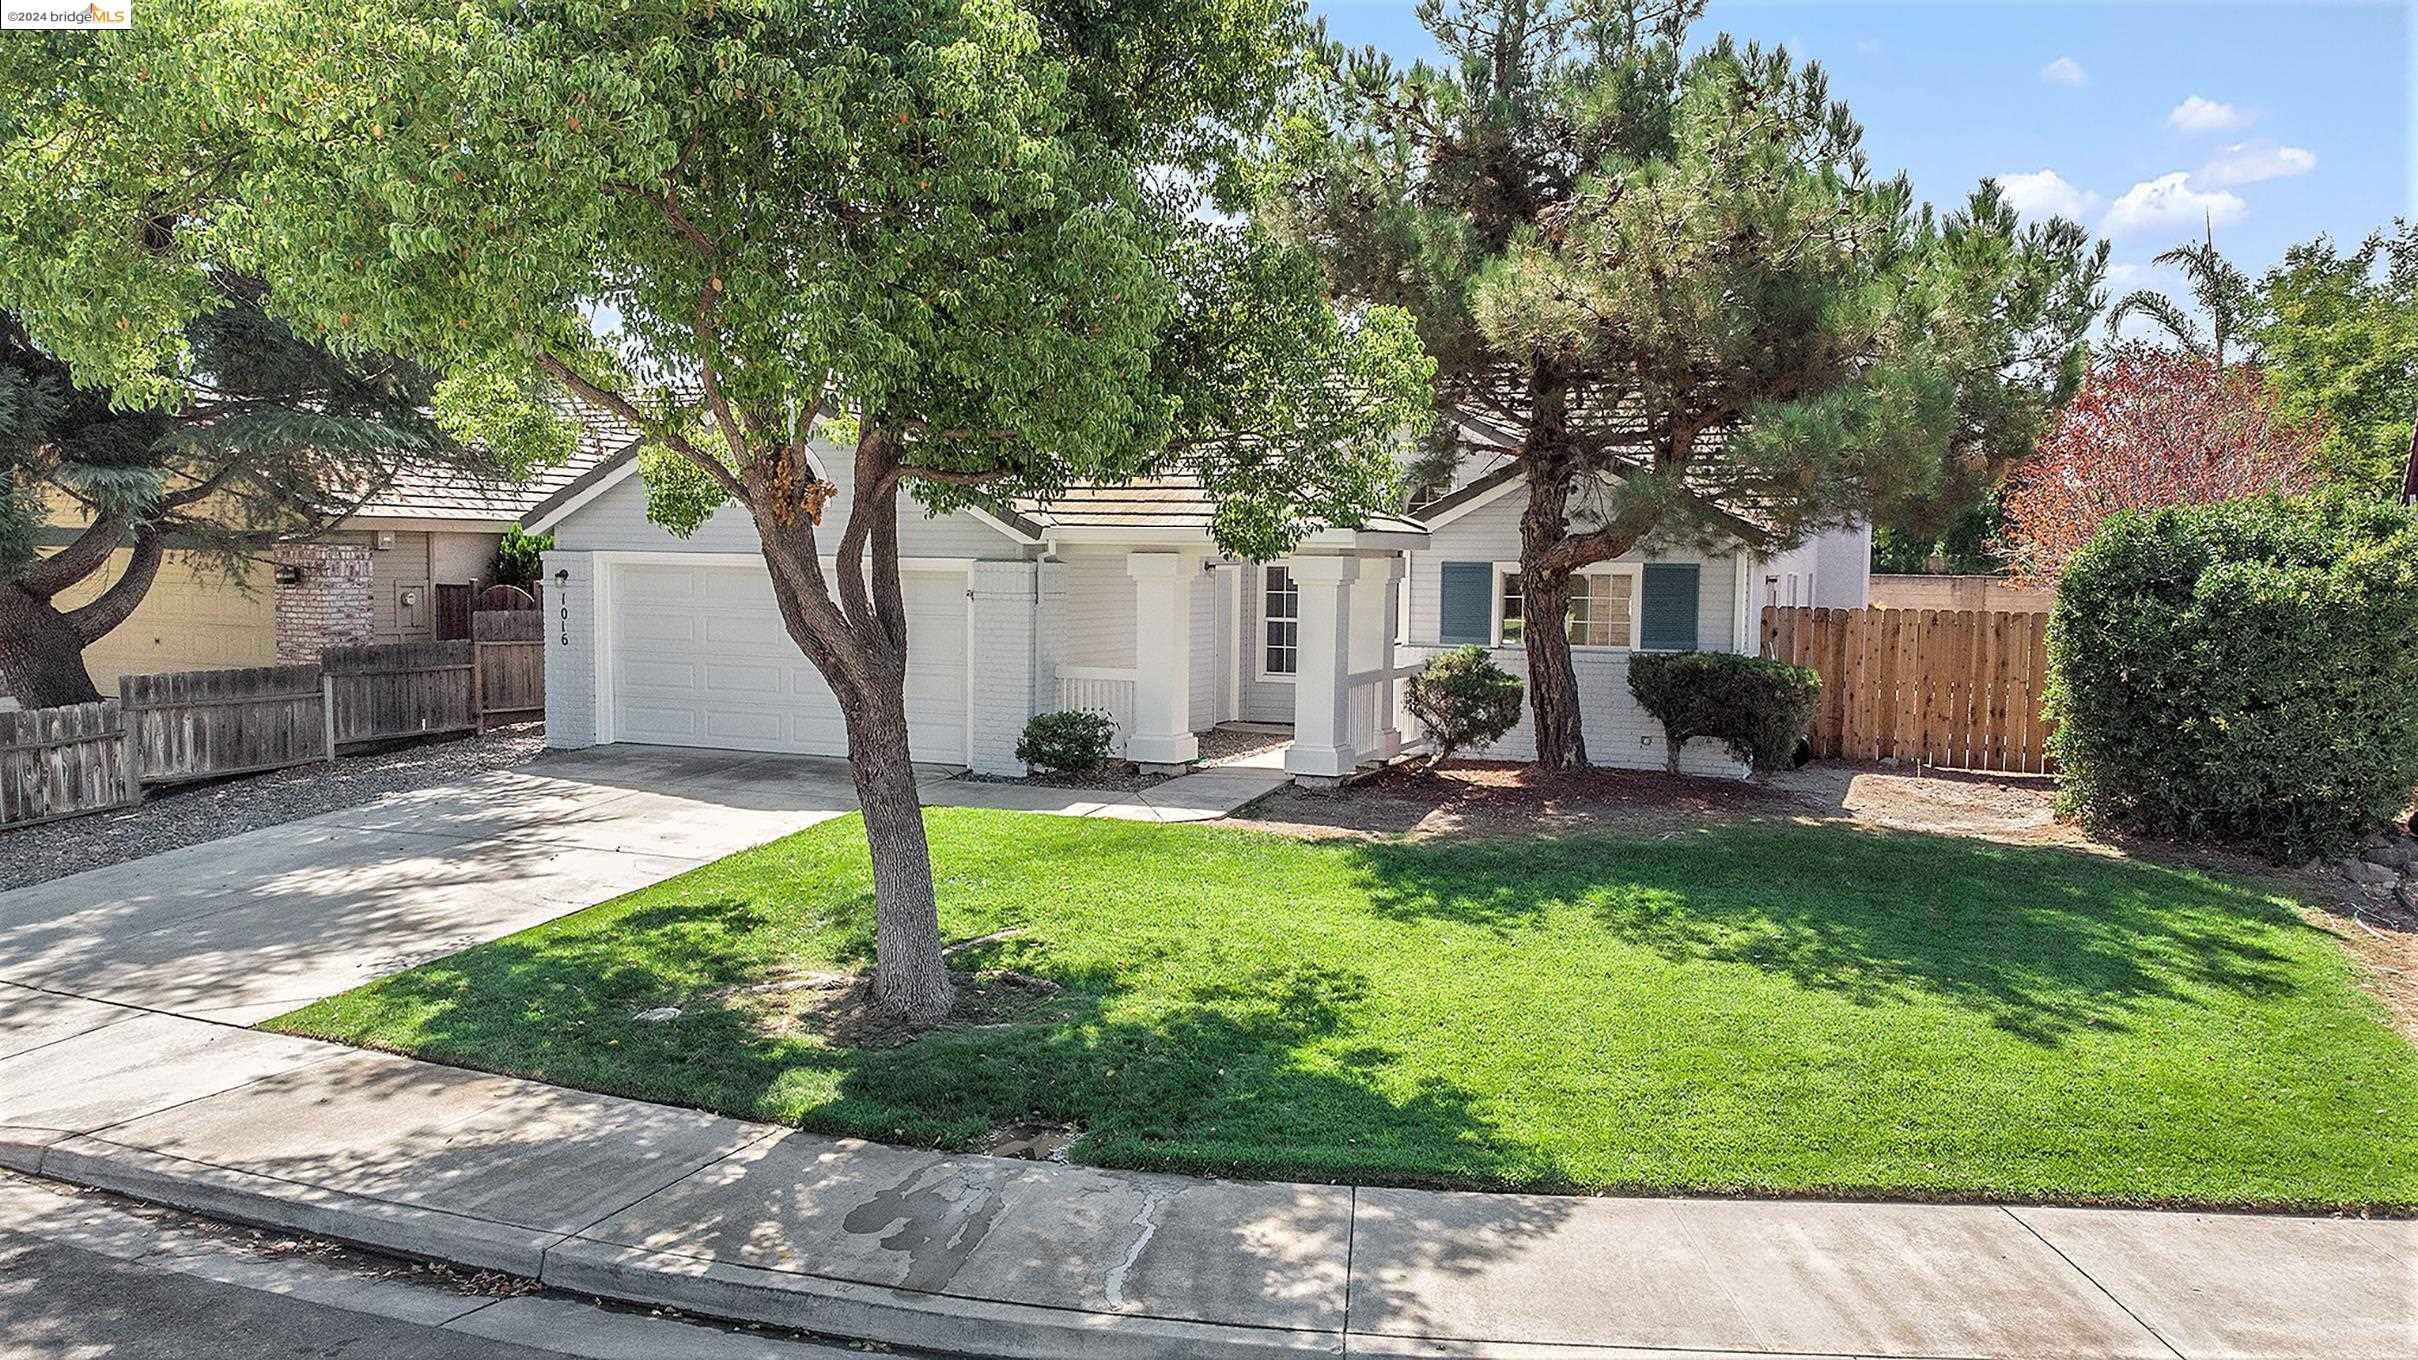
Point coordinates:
pixel 2283 120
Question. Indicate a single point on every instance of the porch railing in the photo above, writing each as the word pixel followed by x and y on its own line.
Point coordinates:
pixel 1109 689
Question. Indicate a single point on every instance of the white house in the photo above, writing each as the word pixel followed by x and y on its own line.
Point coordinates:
pixel 1112 597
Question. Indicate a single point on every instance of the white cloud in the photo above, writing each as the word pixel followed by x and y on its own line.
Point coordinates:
pixel 2064 71
pixel 2169 201
pixel 2206 115
pixel 2252 162
pixel 2045 193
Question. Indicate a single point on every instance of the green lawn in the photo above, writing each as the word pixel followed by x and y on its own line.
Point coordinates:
pixel 1759 1008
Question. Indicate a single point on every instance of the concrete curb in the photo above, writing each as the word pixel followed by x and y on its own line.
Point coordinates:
pixel 901 1317
pixel 905 1318
pixel 400 1229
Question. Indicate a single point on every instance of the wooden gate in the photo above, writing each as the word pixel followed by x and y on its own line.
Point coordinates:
pixel 511 664
pixel 1958 689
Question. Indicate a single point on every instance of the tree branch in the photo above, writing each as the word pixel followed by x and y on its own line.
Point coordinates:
pixel 47 576
pixel 622 406
pixel 94 621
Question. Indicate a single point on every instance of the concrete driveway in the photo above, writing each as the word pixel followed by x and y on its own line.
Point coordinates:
pixel 251 926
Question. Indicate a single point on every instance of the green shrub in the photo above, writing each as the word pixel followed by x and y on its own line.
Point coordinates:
pixel 1071 740
pixel 1761 708
pixel 1461 698
pixel 517 558
pixel 2245 672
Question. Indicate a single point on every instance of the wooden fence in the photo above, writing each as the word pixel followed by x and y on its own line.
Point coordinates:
pixel 1958 689
pixel 511 648
pixel 65 762
pixel 207 724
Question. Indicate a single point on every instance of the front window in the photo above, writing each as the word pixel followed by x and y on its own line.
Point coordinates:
pixel 1602 609
pixel 1283 623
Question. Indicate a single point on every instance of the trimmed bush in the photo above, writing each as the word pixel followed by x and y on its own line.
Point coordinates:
pixel 1761 708
pixel 2245 672
pixel 1069 741
pixel 1461 699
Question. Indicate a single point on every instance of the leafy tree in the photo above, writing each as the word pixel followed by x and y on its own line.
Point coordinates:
pixel 2340 341
pixel 1672 287
pixel 256 438
pixel 961 235
pixel 2152 427
pixel 520 557
pixel 2224 293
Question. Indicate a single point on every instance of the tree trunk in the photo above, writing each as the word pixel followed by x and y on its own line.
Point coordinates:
pixel 910 975
pixel 41 653
pixel 1552 680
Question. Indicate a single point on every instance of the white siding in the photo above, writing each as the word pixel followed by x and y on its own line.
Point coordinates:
pixel 1209 660
pixel 1618 732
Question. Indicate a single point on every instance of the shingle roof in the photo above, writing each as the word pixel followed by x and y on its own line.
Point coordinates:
pixel 418 494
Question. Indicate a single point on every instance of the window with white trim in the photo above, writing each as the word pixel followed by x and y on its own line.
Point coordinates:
pixel 1280 651
pixel 1603 607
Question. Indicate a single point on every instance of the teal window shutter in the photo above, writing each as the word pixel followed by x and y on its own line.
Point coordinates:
pixel 1468 614
pixel 1669 622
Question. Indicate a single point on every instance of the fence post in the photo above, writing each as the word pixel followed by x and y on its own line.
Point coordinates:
pixel 327 713
pixel 131 758
pixel 478 682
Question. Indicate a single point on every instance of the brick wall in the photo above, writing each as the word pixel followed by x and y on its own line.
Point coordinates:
pixel 571 660
pixel 329 606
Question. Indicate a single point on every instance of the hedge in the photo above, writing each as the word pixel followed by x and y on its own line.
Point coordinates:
pixel 2243 673
pixel 1760 707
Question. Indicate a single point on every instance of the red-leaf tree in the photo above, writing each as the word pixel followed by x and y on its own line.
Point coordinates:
pixel 2151 427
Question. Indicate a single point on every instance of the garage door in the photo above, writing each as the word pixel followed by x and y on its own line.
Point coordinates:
pixel 699 658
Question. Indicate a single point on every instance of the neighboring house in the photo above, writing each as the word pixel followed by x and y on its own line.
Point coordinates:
pixel 1464 588
pixel 1112 597
pixel 1990 594
pixel 372 579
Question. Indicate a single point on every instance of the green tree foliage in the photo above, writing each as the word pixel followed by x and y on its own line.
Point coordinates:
pixel 1670 285
pixel 963 235
pixel 2244 672
pixel 520 557
pixel 1462 699
pixel 2223 293
pixel 2340 340
pixel 1759 707
pixel 252 437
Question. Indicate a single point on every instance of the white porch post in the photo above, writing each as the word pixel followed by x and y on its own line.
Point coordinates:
pixel 1322 750
pixel 1162 659
pixel 1381 586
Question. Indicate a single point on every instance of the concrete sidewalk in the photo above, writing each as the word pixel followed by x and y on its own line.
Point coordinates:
pixel 996 1257
pixel 1205 795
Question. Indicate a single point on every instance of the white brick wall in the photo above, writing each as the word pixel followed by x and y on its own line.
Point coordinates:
pixel 1002 685
pixel 570 611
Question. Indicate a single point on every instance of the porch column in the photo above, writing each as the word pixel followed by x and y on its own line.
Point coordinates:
pixel 1162 660
pixel 1381 602
pixel 1322 751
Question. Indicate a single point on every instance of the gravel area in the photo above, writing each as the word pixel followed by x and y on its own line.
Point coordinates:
pixel 1225 745
pixel 171 818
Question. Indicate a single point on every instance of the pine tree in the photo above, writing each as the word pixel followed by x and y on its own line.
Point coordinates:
pixel 266 440
pixel 1671 286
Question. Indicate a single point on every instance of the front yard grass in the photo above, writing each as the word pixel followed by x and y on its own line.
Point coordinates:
pixel 1758 1008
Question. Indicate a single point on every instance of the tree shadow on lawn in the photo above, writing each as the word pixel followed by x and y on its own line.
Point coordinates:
pixel 1251 1072
pixel 2043 942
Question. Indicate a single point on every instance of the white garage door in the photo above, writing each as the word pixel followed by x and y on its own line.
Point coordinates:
pixel 699 658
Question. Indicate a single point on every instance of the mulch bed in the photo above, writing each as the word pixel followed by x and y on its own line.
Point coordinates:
pixel 1499 797
pixel 1117 776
